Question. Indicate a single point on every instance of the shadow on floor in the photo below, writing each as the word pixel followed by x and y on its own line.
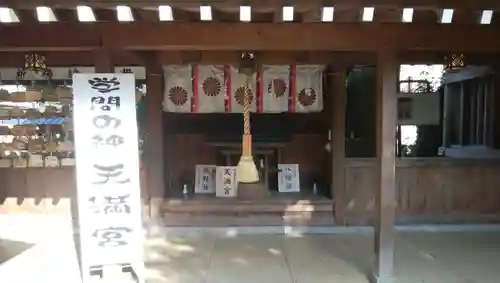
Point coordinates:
pixel 10 249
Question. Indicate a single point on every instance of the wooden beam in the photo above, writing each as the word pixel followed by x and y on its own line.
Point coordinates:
pixel 425 16
pixel 245 36
pixel 386 15
pixel 223 16
pixel 66 15
pixel 50 36
pixel 387 75
pixel 149 15
pixel 470 4
pixel 69 58
pixel 430 57
pixel 129 58
pixel 27 16
pixel 313 14
pixel 347 14
pixel 105 15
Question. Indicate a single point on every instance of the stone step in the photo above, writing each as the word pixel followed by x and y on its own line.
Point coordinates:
pixel 234 212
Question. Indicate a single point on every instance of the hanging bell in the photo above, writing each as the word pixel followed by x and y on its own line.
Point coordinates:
pixel 248 64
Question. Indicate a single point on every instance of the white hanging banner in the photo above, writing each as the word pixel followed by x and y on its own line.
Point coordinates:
pixel 288 178
pixel 237 82
pixel 275 88
pixel 226 184
pixel 309 88
pixel 205 179
pixel 107 171
pixel 211 89
pixel 178 89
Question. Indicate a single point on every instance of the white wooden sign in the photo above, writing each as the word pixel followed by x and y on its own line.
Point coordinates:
pixel 107 170
pixel 288 178
pixel 226 184
pixel 138 71
pixel 58 73
pixel 205 179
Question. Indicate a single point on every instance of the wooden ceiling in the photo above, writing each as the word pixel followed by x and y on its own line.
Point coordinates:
pixel 187 38
pixel 425 11
pixel 260 4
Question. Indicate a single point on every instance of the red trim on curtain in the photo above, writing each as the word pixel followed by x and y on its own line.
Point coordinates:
pixel 260 101
pixel 194 101
pixel 227 82
pixel 293 86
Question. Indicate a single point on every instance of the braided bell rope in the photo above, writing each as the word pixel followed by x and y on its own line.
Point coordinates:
pixel 246 106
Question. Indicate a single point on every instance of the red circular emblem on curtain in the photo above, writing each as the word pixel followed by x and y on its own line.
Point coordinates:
pixel 211 86
pixel 277 87
pixel 240 94
pixel 307 97
pixel 178 95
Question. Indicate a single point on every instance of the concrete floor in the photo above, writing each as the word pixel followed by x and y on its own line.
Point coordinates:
pixel 432 257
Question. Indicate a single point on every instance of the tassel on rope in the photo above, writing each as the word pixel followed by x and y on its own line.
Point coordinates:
pixel 246 171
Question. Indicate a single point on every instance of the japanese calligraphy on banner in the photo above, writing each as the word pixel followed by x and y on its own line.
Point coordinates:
pixel 288 178
pixel 205 179
pixel 226 184
pixel 107 167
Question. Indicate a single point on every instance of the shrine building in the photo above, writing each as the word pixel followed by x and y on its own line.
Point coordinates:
pixel 327 96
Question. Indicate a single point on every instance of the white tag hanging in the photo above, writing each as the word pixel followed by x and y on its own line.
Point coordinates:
pixel 51 161
pixel 35 160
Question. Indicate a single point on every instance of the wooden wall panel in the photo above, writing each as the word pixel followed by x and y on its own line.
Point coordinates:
pixel 186 151
pixel 42 190
pixel 307 150
pixel 429 190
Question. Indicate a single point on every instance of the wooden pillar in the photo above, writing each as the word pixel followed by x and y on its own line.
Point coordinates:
pixel 103 62
pixel 154 144
pixel 338 145
pixel 387 74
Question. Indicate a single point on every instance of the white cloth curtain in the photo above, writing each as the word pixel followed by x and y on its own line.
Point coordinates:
pixel 275 88
pixel 309 88
pixel 178 88
pixel 211 89
pixel 237 82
